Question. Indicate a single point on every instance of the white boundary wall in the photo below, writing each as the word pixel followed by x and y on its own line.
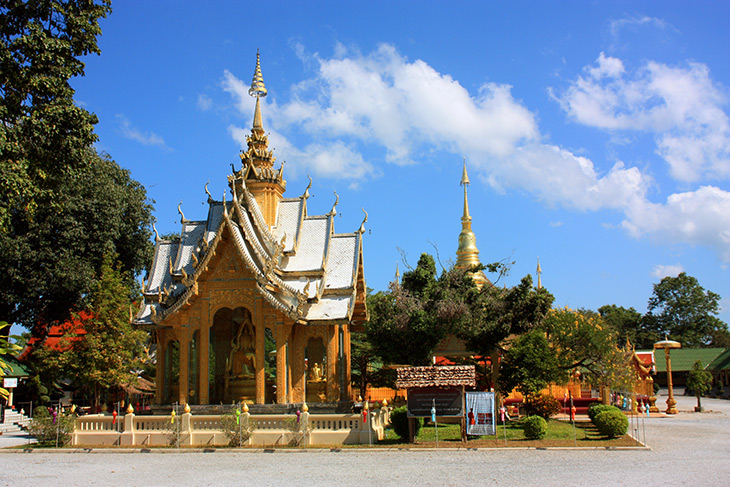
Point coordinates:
pixel 205 430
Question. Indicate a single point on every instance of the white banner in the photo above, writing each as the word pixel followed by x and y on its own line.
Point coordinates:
pixel 480 413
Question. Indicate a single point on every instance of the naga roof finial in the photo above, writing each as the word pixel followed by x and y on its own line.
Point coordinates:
pixel 157 235
pixel 306 191
pixel 210 196
pixel 333 211
pixel 362 225
pixel 183 220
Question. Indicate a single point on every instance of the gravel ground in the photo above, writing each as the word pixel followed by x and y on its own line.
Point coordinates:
pixel 687 449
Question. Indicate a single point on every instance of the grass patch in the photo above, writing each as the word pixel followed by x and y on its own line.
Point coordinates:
pixel 559 434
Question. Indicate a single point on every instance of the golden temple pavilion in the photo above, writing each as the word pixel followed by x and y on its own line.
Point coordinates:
pixel 256 302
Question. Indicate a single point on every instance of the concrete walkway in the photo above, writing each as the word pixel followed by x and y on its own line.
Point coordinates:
pixel 686 449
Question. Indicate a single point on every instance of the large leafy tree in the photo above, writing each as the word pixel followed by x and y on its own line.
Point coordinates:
pixel 401 328
pixel 529 365
pixel 583 341
pixel 681 308
pixel 101 350
pixel 629 324
pixel 62 205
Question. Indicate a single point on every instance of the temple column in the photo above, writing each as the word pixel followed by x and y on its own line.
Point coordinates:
pixel 260 327
pixel 160 366
pixel 184 341
pixel 282 338
pixel 346 392
pixel 298 377
pixel 204 355
pixel 332 339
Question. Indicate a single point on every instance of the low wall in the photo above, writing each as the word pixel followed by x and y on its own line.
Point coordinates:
pixel 206 430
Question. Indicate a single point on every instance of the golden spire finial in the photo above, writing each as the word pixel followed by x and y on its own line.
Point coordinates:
pixel 467 254
pixel 539 274
pixel 258 89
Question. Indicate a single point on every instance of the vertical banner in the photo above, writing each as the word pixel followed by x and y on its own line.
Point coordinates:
pixel 480 413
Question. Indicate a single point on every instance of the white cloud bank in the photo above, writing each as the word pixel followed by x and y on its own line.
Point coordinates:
pixel 355 102
pixel 133 133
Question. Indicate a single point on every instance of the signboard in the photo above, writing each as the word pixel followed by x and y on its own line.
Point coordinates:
pixel 448 401
pixel 480 413
pixel 10 382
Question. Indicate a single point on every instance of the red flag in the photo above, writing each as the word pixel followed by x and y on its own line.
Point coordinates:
pixel 114 416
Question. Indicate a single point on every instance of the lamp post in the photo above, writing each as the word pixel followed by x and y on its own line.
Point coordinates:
pixel 667 345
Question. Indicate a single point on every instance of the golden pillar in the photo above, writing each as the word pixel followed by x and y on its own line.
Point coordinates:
pixel 260 327
pixel 331 375
pixel 184 341
pixel 667 345
pixel 204 355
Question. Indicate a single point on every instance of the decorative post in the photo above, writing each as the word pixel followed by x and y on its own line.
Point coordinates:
pixel 667 345
pixel 128 434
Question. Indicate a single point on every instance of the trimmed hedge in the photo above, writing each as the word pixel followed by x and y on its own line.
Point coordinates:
pixel 534 427
pixel 399 422
pixel 611 423
pixel 597 408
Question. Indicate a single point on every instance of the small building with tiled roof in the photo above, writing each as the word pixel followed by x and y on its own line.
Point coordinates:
pixel 256 302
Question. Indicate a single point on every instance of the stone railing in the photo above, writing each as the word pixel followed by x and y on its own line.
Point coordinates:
pixel 206 430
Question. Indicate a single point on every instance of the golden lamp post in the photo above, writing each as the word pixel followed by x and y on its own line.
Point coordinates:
pixel 667 345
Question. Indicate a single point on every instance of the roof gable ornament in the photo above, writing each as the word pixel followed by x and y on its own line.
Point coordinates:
pixel 361 230
pixel 183 220
pixel 306 191
pixel 210 196
pixel 157 235
pixel 333 211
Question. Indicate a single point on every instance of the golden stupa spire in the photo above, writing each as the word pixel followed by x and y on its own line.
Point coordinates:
pixel 539 274
pixel 467 255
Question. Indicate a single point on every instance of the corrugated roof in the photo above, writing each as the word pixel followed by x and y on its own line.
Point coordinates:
pixel 444 376
pixel 684 358
pixel 722 362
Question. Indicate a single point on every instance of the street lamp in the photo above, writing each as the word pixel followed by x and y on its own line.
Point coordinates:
pixel 667 345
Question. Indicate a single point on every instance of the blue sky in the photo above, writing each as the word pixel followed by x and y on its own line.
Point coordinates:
pixel 596 134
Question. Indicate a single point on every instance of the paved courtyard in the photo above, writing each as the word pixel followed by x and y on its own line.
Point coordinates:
pixel 687 449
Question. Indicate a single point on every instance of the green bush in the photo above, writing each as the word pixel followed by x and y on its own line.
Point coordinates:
pixel 534 427
pixel 238 429
pixel 399 422
pixel 597 408
pixel 48 433
pixel 611 423
pixel 544 406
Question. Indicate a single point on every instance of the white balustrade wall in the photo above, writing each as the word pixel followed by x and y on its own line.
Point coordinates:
pixel 206 430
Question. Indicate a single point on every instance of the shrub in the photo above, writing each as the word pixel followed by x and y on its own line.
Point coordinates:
pixel 544 406
pixel 48 432
pixel 597 408
pixel 399 422
pixel 238 429
pixel 611 423
pixel 534 427
pixel 299 429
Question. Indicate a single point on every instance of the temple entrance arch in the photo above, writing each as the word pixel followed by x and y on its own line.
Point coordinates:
pixel 232 360
pixel 315 359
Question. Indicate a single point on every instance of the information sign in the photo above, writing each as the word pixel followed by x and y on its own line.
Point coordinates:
pixel 448 401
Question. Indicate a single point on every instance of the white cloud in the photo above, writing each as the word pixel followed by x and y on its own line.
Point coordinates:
pixel 681 106
pixel 355 103
pixel 132 133
pixel 204 102
pixel 671 270
pixel 700 217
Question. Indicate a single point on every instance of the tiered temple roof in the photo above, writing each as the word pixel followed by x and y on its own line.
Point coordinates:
pixel 301 266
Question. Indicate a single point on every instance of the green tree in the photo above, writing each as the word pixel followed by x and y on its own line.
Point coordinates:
pixel 699 382
pixel 107 351
pixel 62 205
pixel 529 365
pixel 681 308
pixel 582 340
pixel 401 329
pixel 629 323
